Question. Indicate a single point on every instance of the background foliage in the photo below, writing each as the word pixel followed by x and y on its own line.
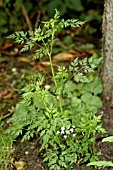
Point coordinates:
pixel 22 15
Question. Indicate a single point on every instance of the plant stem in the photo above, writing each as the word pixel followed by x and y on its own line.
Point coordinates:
pixel 60 103
pixel 50 58
pixel 52 70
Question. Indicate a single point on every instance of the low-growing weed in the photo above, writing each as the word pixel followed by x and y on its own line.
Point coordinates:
pixel 66 126
pixel 6 157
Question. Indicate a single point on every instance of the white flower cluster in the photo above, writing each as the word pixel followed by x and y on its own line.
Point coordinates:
pixel 66 131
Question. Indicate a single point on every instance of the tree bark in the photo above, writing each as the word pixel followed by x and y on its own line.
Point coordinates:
pixel 107 52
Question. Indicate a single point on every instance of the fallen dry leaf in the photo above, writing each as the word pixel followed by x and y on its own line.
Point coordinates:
pixel 7 94
pixel 63 56
pixel 47 63
pixel 24 59
pixel 7 43
pixel 78 53
pixel 39 68
pixel 90 51
pixel 10 53
pixel 20 165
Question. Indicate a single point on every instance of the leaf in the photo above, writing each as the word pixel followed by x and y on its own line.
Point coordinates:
pixel 55 4
pixel 101 163
pixel 23 59
pixel 69 86
pixel 94 87
pixel 92 100
pixel 38 102
pixel 42 133
pixel 108 139
pixel 18 4
pixel 75 5
pixel 75 101
pixel 20 109
pixel 63 56
pixel 20 165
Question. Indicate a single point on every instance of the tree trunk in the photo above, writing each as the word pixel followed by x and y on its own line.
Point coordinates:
pixel 107 52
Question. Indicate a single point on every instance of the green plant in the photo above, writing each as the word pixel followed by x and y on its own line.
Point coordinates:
pixel 66 126
pixel 101 164
pixel 108 139
pixel 11 12
pixel 63 6
pixel 6 157
pixel 90 91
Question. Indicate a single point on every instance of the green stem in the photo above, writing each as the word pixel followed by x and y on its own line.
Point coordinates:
pixel 53 73
pixel 50 58
pixel 60 103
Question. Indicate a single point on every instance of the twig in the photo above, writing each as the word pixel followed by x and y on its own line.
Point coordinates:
pixel 1 2
pixel 37 19
pixel 26 17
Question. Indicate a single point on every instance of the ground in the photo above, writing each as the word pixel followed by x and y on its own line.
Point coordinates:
pixel 106 148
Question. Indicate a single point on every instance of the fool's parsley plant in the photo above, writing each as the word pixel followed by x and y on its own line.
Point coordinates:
pixel 66 127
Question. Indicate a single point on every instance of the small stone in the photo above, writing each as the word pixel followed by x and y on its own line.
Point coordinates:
pixel 47 86
pixel 14 69
pixel 26 153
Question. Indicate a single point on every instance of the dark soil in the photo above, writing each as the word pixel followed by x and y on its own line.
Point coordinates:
pixel 105 149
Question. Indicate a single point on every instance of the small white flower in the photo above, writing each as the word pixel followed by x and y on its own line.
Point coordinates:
pixel 67 132
pixel 58 132
pixel 68 127
pixel 62 132
pixel 74 134
pixel 62 128
pixel 47 86
pixel 73 127
pixel 71 130
pixel 65 136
